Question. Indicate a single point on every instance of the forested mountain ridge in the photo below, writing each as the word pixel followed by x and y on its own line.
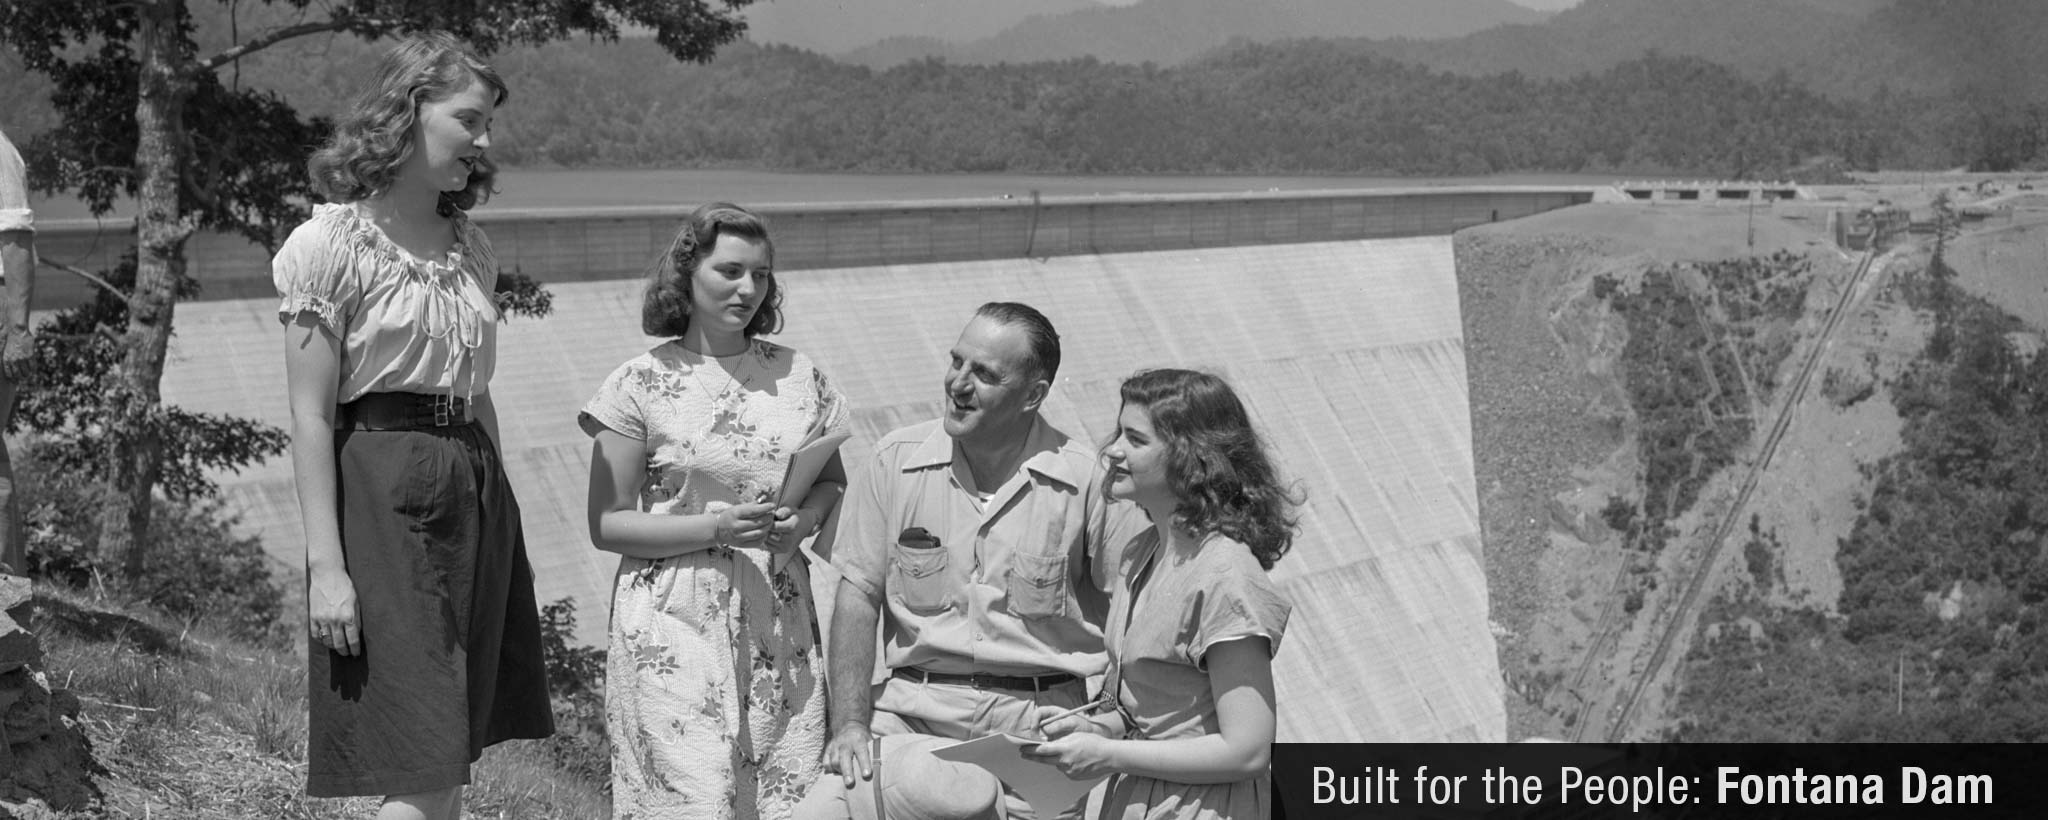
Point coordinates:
pixel 1304 106
pixel 1299 107
pixel 1169 32
pixel 835 26
pixel 1756 36
pixel 1842 48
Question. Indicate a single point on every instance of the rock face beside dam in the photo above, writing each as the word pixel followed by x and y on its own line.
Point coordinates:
pixel 1349 351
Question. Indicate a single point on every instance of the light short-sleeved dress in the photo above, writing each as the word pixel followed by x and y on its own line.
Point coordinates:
pixel 714 690
pixel 1168 611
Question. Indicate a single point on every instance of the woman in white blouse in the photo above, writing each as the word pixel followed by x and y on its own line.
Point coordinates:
pixel 425 639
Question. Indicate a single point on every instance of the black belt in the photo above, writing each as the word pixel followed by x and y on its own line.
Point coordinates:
pixel 979 681
pixel 402 411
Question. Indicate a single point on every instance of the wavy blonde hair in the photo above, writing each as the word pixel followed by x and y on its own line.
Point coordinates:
pixel 374 138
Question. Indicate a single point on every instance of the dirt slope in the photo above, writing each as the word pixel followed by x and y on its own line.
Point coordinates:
pixel 1555 439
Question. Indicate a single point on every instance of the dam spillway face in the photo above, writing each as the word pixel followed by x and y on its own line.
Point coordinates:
pixel 1349 353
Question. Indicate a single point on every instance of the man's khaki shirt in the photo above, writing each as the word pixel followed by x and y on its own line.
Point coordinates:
pixel 1017 585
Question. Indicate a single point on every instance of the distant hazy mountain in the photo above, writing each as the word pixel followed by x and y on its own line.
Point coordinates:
pixel 1600 33
pixel 1846 48
pixel 1171 31
pixel 836 26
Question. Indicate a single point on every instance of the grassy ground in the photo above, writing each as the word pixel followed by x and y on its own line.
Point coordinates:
pixel 191 724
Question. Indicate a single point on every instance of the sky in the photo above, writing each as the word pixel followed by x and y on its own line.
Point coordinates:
pixel 1543 5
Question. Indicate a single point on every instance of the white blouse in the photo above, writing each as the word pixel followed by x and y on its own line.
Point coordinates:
pixel 14 212
pixel 405 324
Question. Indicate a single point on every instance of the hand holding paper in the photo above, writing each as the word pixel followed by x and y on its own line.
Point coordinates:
pixel 1079 755
pixel 1047 790
pixel 805 464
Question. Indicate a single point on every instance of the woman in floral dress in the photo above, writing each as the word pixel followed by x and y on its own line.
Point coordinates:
pixel 713 691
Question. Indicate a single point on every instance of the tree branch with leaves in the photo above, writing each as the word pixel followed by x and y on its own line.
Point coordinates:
pixel 144 115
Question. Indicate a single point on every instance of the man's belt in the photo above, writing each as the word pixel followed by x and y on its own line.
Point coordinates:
pixel 980 681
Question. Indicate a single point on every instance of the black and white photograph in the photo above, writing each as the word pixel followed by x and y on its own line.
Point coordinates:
pixel 962 409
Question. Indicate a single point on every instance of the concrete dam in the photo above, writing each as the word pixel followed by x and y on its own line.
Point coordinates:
pixel 1335 314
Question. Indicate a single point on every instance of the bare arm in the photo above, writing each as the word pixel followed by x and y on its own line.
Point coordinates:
pixel 850 671
pixel 618 468
pixel 312 360
pixel 17 264
pixel 1241 681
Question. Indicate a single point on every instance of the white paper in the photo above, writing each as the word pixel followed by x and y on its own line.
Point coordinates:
pixel 804 466
pixel 1044 786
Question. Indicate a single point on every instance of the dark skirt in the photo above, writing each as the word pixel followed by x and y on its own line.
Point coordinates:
pixel 451 659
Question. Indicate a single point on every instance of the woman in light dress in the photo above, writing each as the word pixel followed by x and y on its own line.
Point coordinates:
pixel 1194 621
pixel 713 690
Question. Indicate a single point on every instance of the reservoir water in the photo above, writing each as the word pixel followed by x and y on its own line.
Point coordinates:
pixel 551 188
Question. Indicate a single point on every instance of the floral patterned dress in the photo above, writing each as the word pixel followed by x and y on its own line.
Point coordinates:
pixel 714 689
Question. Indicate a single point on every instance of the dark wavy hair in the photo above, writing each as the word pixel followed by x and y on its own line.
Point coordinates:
pixel 1039 335
pixel 1217 467
pixel 361 159
pixel 665 311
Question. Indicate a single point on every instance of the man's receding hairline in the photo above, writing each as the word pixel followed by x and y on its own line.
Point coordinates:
pixel 1026 362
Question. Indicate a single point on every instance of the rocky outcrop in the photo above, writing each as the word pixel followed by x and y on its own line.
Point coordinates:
pixel 45 759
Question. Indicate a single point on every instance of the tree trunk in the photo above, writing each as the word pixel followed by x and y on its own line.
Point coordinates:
pixel 161 230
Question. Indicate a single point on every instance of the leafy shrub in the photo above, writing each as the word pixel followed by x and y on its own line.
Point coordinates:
pixel 197 567
pixel 70 401
pixel 1619 514
pixel 1846 389
pixel 1758 558
pixel 576 688
pixel 1604 285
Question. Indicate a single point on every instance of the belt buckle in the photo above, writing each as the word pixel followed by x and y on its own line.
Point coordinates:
pixel 444 408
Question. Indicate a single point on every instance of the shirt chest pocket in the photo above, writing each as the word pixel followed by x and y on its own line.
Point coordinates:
pixel 918 577
pixel 1037 585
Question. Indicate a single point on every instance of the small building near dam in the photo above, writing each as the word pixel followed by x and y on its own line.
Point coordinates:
pixel 1711 191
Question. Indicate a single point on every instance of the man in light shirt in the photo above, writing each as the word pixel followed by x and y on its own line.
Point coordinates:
pixel 983 544
pixel 17 281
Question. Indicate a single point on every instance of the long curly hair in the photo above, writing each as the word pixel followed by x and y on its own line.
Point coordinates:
pixel 374 138
pixel 665 310
pixel 1222 480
